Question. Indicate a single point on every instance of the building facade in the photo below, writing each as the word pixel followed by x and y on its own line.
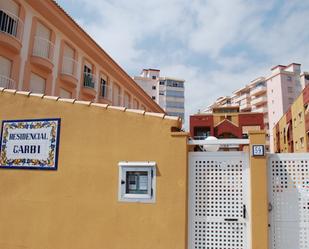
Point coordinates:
pixel 225 122
pixel 291 131
pixel 270 95
pixel 167 92
pixel 283 87
pixel 47 52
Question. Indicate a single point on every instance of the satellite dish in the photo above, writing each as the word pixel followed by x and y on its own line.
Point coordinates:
pixel 211 147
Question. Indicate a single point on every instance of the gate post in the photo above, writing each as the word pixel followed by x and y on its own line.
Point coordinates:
pixel 258 194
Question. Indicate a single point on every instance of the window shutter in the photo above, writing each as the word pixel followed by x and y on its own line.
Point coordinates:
pixel 11 6
pixel 5 67
pixel 37 83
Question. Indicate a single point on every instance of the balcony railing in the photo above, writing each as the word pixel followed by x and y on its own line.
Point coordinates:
pixel 241 97
pixel 90 80
pixel 260 109
pixel 258 100
pixel 244 106
pixel 258 90
pixel 69 66
pixel 43 48
pixel 6 82
pixel 11 25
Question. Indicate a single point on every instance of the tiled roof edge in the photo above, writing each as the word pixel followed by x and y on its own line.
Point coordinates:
pixel 91 104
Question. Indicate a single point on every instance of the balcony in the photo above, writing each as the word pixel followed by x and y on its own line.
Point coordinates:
pixel 7 82
pixel 259 100
pixel 262 109
pixel 11 30
pixel 266 120
pixel 106 95
pixel 89 85
pixel 245 106
pixel 258 90
pixel 68 71
pixel 42 54
pixel 241 97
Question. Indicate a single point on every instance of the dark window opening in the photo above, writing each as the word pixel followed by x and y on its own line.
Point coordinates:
pixel 8 24
pixel 88 80
pixel 103 88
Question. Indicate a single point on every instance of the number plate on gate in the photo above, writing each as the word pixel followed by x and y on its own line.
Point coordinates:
pixel 258 150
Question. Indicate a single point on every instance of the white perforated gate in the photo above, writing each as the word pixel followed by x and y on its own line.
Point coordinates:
pixel 218 200
pixel 288 179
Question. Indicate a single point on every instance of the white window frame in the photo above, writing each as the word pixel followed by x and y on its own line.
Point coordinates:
pixel 125 167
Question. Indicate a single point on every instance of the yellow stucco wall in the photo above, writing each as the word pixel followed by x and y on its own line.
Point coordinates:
pixel 299 130
pixel 283 143
pixel 220 117
pixel 77 206
pixel 259 197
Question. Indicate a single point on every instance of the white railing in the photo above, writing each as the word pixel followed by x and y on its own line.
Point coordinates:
pixel 260 109
pixel 106 92
pixel 241 97
pixel 244 106
pixel 6 82
pixel 69 66
pixel 258 90
pixel 11 25
pixel 43 48
pixel 258 100
pixel 90 80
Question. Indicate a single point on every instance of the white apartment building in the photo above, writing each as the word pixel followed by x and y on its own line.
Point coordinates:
pixel 167 92
pixel 270 95
pixel 283 86
pixel 220 102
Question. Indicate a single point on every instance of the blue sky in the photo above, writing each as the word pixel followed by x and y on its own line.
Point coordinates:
pixel 217 46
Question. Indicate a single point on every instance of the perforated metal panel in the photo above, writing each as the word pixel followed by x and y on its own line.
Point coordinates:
pixel 289 198
pixel 218 206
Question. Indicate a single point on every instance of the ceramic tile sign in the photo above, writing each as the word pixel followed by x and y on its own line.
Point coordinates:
pixel 30 144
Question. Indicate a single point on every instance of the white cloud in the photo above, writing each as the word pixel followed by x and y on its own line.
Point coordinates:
pixel 168 34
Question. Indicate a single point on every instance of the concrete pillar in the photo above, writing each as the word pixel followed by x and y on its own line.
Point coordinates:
pixel 259 196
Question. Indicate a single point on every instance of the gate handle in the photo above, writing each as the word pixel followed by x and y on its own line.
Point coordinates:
pixel 230 219
pixel 244 211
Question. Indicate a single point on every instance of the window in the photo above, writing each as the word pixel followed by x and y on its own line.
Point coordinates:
pixel 302 142
pixel 174 83
pixel 116 95
pixel 289 78
pixel 135 104
pixel 5 73
pixel 154 88
pixel 300 116
pixel 42 45
pixel 153 97
pixel 229 118
pixel 8 23
pixel 127 100
pixel 68 62
pixel 291 101
pixel 103 88
pixel 88 77
pixel 290 89
pixel 137 181
pixel 37 83
pixel 162 83
pixel 65 94
pixel 161 92
pixel 154 77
